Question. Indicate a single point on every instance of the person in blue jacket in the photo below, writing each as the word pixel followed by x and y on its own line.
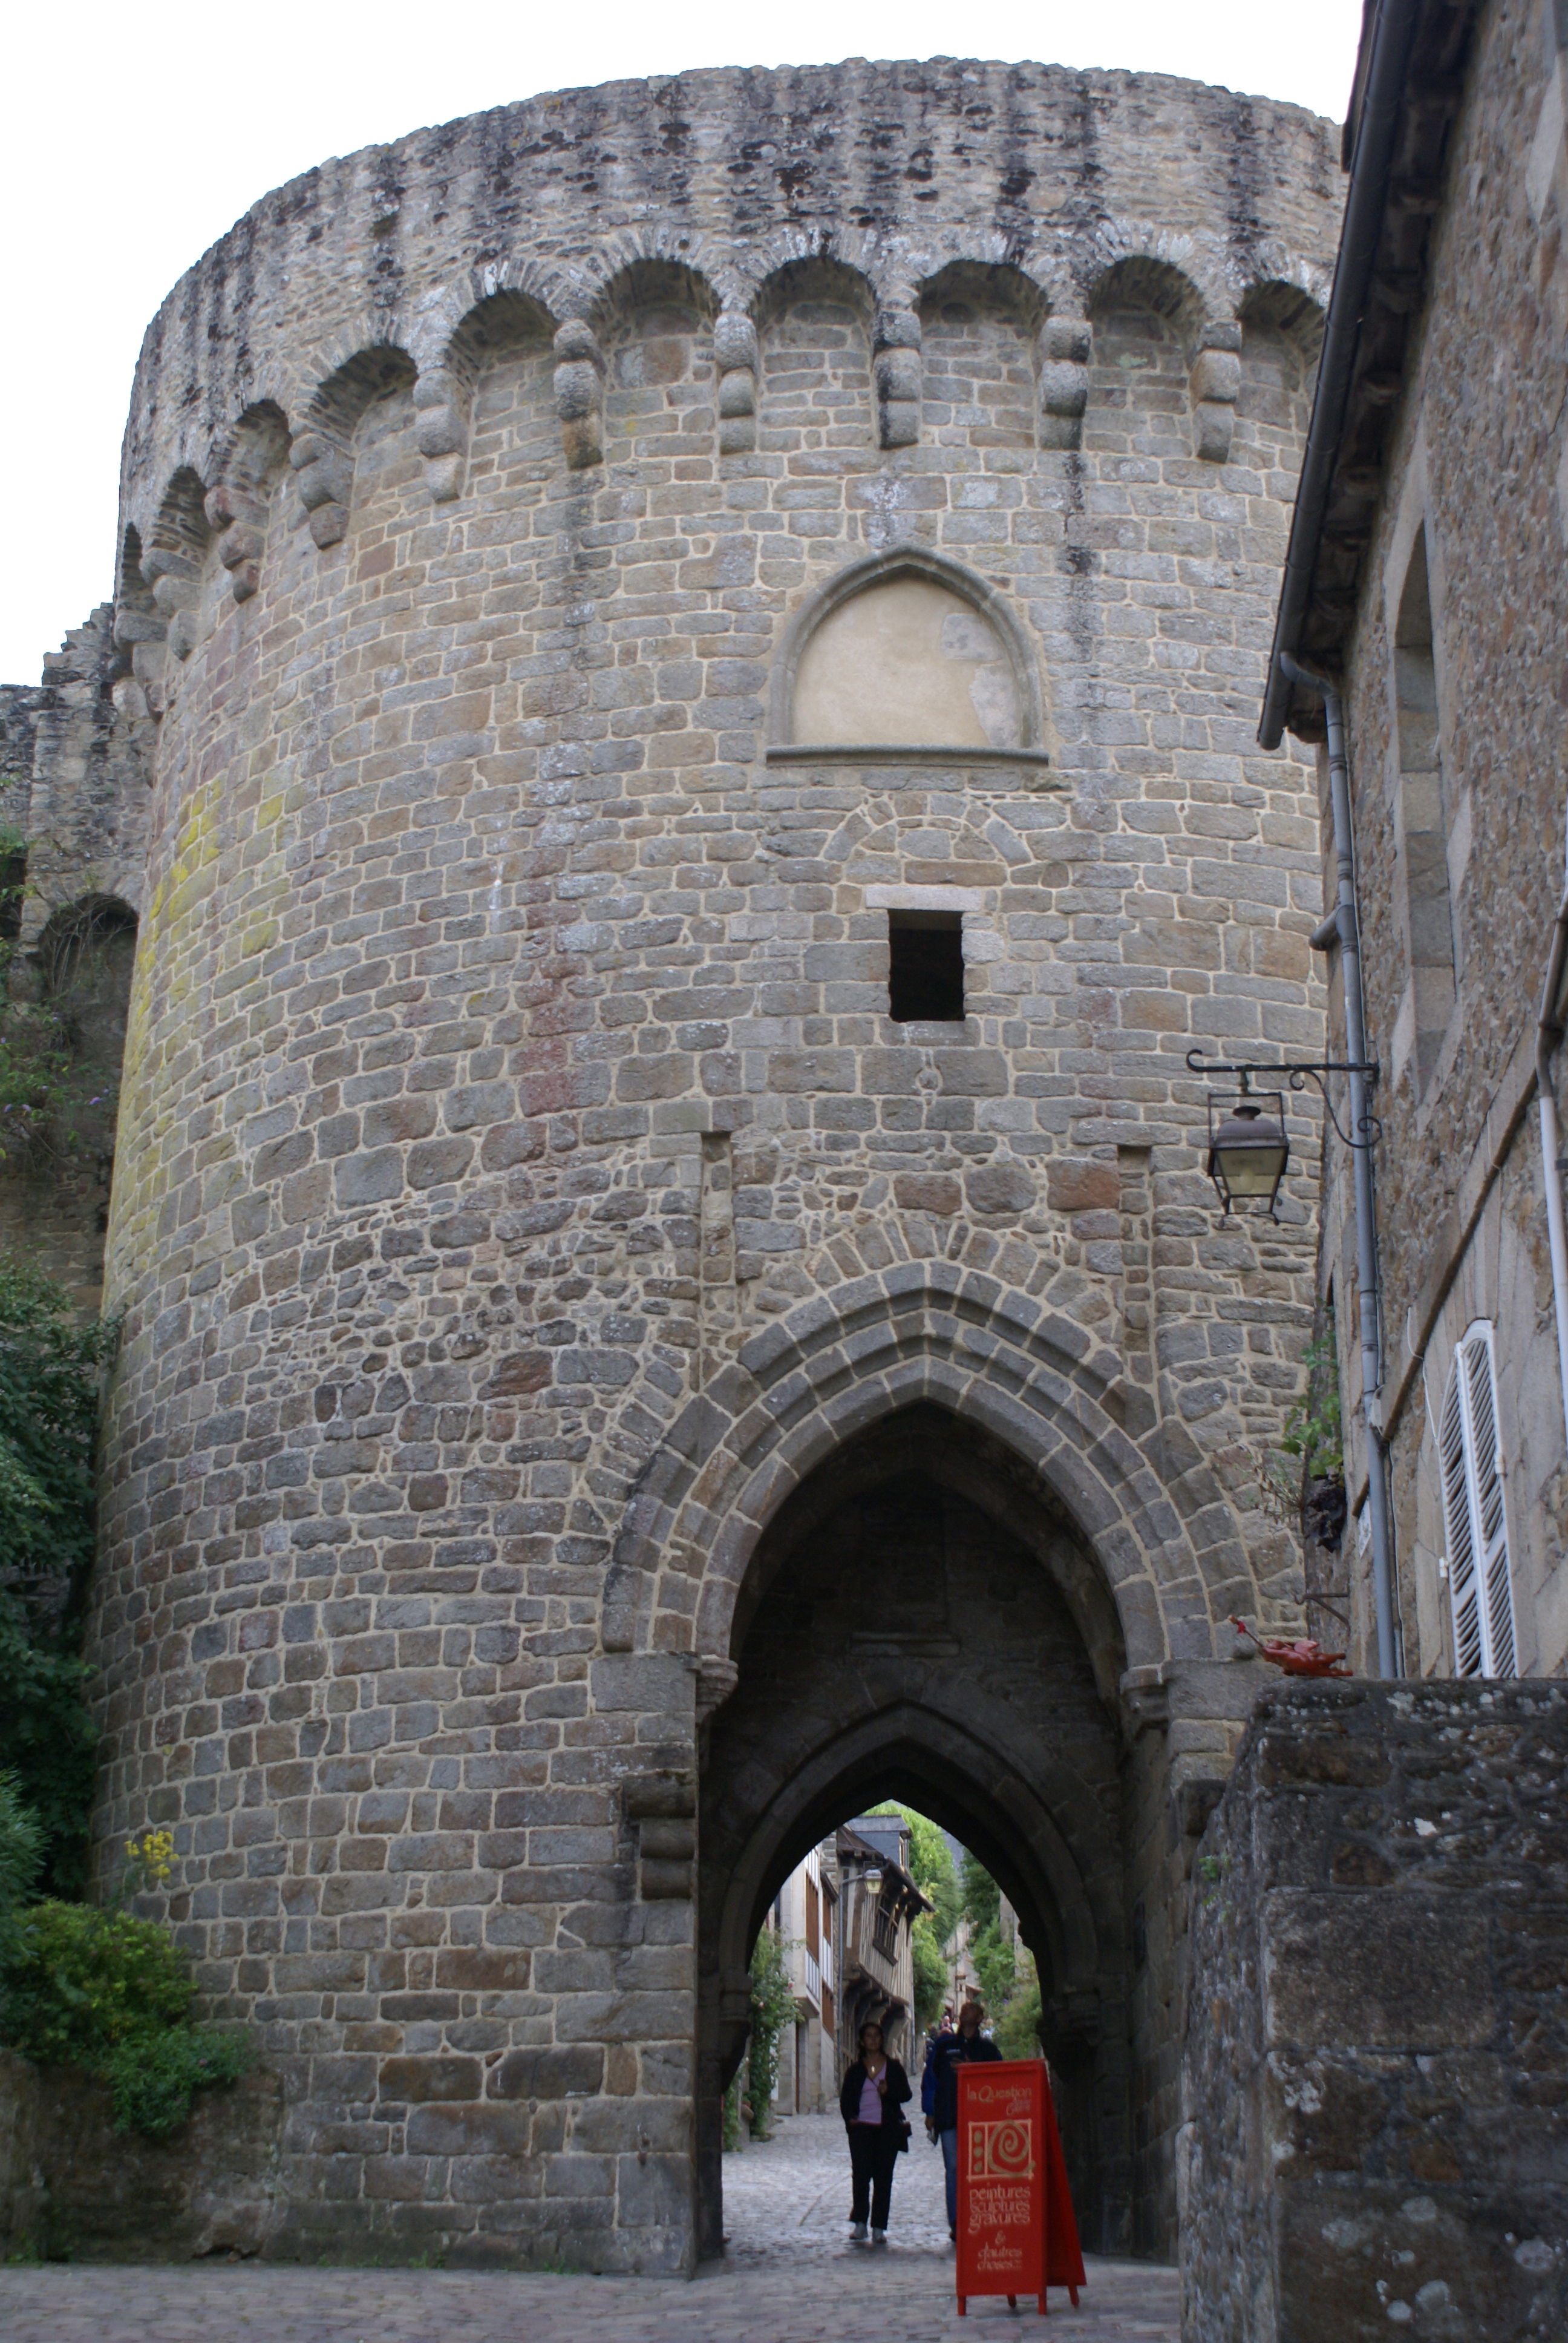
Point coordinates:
pixel 968 2047
pixel 928 2071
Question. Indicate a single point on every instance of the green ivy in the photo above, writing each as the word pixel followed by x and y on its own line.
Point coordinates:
pixel 994 1955
pixel 84 1985
pixel 1314 1430
pixel 1017 2030
pixel 21 1858
pixel 154 2076
pixel 772 2008
pixel 50 1376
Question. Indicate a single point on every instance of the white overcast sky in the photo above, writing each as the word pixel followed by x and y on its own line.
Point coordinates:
pixel 136 135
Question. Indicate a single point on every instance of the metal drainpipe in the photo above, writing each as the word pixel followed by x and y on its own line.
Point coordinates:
pixel 1349 933
pixel 1548 1033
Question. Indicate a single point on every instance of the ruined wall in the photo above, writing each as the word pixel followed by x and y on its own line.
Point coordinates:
pixel 74 776
pixel 1461 790
pixel 521 1182
pixel 1373 2128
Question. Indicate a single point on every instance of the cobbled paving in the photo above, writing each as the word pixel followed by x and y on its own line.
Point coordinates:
pixel 789 2275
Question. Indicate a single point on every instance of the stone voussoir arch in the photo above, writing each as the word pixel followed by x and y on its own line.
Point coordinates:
pixel 1150 1509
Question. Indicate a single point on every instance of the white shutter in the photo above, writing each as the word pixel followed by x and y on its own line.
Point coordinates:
pixel 1474 1511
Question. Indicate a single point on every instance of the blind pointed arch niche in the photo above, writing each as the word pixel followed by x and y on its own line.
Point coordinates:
pixel 906 658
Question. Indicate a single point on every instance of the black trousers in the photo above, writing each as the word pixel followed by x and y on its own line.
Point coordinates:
pixel 874 2152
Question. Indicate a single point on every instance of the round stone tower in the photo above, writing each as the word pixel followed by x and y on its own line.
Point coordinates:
pixel 701 643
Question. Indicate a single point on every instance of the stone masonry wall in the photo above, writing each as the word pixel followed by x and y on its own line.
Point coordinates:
pixel 1376 2056
pixel 1476 462
pixel 521 1183
pixel 72 2188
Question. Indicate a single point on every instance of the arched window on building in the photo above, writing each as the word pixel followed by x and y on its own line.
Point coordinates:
pixel 1424 818
pixel 1475 1512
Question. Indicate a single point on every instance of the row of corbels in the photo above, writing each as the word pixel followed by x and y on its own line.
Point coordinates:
pixel 1065 342
pixel 322 459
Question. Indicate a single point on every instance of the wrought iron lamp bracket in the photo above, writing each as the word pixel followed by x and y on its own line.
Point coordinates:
pixel 1297 1074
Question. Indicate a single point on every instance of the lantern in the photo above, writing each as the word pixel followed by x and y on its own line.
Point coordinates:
pixel 1249 1153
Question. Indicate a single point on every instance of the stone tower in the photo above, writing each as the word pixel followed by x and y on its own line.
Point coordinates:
pixel 698 644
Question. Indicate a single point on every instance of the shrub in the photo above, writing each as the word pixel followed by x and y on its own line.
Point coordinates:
pixel 80 1981
pixel 154 2076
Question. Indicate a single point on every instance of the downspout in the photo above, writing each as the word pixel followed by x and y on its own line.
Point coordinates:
pixel 1349 934
pixel 1548 1033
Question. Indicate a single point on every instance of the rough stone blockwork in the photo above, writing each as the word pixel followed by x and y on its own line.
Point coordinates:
pixel 1376 2070
pixel 75 765
pixel 590 569
pixel 72 2188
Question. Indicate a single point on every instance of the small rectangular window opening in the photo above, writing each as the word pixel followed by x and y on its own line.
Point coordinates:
pixel 926 965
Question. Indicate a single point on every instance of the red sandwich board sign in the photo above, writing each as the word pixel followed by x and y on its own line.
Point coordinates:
pixel 1017 2234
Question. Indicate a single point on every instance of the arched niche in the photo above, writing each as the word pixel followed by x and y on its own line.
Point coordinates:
pixel 1147 319
pixel 904 654
pixel 352 417
pixel 654 324
pixel 1281 335
pixel 979 333
pixel 815 329
pixel 500 410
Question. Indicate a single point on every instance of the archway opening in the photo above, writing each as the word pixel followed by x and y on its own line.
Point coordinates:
pixel 921 1623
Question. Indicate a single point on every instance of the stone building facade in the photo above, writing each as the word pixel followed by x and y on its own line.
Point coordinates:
pixel 1439 598
pixel 1375 2130
pixel 694 650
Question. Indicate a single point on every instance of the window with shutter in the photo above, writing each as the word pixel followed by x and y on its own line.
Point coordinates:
pixel 1475 1513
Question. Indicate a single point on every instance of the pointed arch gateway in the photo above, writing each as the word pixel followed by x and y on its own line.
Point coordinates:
pixel 912 1625
pixel 915 1537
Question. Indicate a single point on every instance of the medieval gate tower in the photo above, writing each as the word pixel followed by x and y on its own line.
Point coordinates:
pixel 694 648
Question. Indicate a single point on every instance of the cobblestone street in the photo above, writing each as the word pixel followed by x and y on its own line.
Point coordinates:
pixel 790 2275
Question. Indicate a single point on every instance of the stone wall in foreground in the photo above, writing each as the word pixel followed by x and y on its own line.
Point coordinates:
pixel 72 2188
pixel 1375 2132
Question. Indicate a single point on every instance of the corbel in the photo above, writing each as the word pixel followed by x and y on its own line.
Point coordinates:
pixel 241 519
pixel 1214 383
pixel 325 470
pixel 441 431
pixel 1146 1699
pixel 896 370
pixel 141 633
pixel 579 393
pixel 1064 343
pixel 661 1809
pixel 716 1680
pixel 735 357
pixel 175 582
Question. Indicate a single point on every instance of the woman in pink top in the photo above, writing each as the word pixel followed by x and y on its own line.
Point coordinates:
pixel 875 2093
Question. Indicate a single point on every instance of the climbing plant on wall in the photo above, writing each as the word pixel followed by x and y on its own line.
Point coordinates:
pixel 50 1374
